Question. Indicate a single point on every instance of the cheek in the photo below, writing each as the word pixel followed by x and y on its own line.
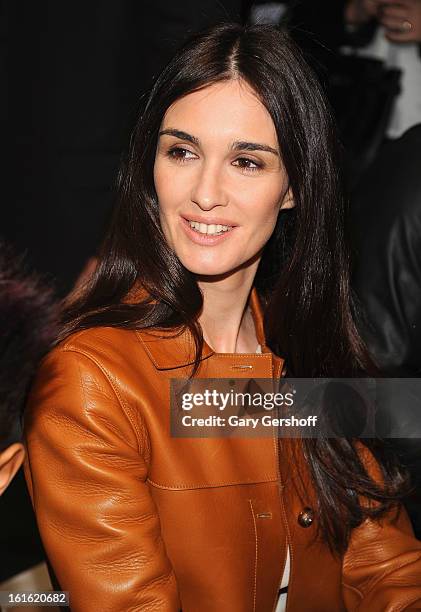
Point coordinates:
pixel 261 203
pixel 161 182
pixel 170 190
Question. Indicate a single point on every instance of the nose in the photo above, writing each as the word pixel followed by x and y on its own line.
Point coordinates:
pixel 208 189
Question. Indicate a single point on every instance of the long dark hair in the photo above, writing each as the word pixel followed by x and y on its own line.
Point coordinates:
pixel 303 277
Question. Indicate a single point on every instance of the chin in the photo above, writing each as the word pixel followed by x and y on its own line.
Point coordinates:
pixel 205 268
pixel 214 268
pixel 209 270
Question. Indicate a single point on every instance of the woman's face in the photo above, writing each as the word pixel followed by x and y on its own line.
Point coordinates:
pixel 219 178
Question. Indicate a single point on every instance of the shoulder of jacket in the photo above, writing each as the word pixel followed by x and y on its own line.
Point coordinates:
pixel 165 349
pixel 95 338
pixel 86 366
pixel 103 345
pixel 105 353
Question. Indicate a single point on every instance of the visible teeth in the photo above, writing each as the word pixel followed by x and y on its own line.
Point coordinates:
pixel 212 229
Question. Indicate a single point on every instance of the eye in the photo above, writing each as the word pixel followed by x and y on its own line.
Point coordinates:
pixel 180 154
pixel 246 164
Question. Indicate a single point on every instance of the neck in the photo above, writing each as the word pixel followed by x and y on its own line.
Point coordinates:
pixel 227 323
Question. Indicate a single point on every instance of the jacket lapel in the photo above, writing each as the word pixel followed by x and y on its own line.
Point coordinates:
pixel 171 349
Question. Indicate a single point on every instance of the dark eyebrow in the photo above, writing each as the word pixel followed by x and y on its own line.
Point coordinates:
pixel 179 134
pixel 253 146
pixel 239 145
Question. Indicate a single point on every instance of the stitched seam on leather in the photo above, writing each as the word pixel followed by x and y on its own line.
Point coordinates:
pixel 275 453
pixel 286 524
pixel 255 557
pixel 123 405
pixel 175 366
pixel 145 346
pixel 274 441
pixel 189 362
pixel 208 486
pixel 280 488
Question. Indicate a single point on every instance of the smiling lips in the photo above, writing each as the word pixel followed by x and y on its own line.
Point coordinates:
pixel 206 233
pixel 212 229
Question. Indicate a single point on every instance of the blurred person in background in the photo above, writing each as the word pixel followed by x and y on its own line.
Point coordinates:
pixel 386 212
pixel 27 327
pixel 395 28
pixel 367 55
pixel 386 220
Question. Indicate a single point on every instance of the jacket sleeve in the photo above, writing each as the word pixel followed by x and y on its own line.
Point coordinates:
pixel 86 470
pixel 382 565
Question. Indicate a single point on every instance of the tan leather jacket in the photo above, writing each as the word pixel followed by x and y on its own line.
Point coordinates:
pixel 135 520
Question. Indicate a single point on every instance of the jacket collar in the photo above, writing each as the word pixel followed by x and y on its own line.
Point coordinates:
pixel 169 349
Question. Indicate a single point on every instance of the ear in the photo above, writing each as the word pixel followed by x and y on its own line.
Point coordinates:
pixel 10 461
pixel 287 200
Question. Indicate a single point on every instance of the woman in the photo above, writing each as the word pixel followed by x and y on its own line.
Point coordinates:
pixel 395 40
pixel 201 275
